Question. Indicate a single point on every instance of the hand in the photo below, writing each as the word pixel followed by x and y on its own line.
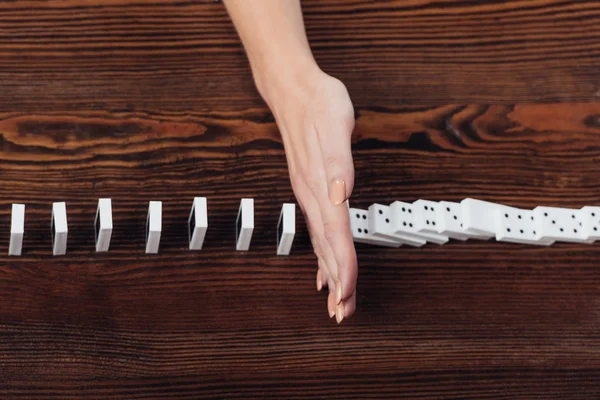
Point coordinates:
pixel 316 119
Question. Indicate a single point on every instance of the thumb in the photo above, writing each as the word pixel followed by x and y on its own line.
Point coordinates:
pixel 336 150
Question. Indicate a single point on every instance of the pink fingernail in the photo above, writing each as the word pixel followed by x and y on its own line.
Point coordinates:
pixel 339 313
pixel 338 292
pixel 337 192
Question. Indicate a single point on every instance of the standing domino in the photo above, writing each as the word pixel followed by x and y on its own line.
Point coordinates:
pixel 244 225
pixel 197 223
pixel 153 227
pixel 359 225
pixel 58 228
pixel 17 229
pixel 286 229
pixel 103 225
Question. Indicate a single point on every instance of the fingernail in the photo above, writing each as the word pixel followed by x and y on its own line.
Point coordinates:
pixel 337 192
pixel 331 313
pixel 319 283
pixel 339 313
pixel 338 292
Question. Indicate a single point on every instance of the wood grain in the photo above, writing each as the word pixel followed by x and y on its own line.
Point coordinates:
pixel 153 100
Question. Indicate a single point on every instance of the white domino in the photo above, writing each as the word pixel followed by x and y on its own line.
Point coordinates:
pixel 590 217
pixel 515 225
pixel 560 224
pixel 103 225
pixel 359 225
pixel 17 229
pixel 286 229
pixel 478 218
pixel 425 220
pixel 197 223
pixel 385 222
pixel 153 227
pixel 58 228
pixel 449 220
pixel 244 225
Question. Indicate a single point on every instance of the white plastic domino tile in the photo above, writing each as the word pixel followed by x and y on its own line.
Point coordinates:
pixel 515 225
pixel 424 221
pixel 153 227
pixel 244 225
pixel 197 223
pixel 58 228
pixel 560 224
pixel 478 218
pixel 17 229
pixel 103 225
pixel 385 222
pixel 359 225
pixel 449 220
pixel 286 229
pixel 590 217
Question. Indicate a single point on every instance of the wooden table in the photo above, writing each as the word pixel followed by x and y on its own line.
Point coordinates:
pixel 153 100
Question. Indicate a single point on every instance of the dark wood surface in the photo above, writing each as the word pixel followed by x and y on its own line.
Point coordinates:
pixel 153 100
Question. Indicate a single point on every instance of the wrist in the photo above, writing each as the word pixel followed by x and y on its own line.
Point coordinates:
pixel 285 75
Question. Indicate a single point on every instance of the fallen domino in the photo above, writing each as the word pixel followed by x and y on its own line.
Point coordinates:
pixel 286 229
pixel 17 229
pixel 197 223
pixel 103 225
pixel 58 228
pixel 153 227
pixel 244 225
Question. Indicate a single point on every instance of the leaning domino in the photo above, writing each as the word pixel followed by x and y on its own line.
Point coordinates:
pixel 478 218
pixel 384 223
pixel 359 225
pixel 425 221
pixel 449 220
pixel 17 229
pixel 197 223
pixel 590 217
pixel 244 225
pixel 58 228
pixel 153 227
pixel 103 225
pixel 286 229
pixel 515 225
pixel 560 224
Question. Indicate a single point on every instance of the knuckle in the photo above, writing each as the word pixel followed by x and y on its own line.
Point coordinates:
pixel 330 231
pixel 312 181
pixel 332 163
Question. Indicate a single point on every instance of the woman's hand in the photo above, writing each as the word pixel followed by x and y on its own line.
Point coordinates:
pixel 315 116
pixel 316 119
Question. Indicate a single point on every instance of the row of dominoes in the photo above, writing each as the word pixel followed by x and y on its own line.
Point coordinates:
pixel 197 226
pixel 422 221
